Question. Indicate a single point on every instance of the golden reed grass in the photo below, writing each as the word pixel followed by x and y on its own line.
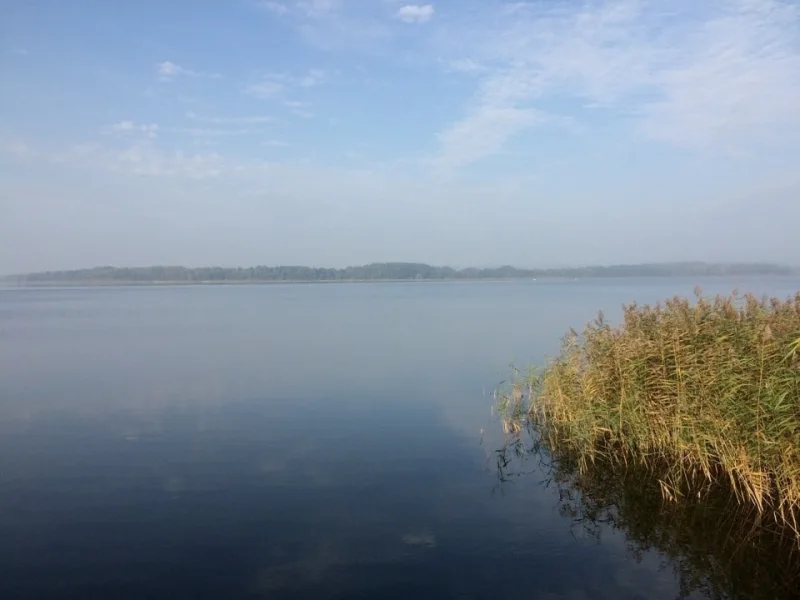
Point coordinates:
pixel 706 393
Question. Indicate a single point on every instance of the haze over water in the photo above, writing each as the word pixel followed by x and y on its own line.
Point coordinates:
pixel 293 441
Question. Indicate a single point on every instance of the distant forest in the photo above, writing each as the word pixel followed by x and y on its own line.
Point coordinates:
pixel 380 271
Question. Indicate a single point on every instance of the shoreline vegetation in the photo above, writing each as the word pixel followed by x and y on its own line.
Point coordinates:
pixel 169 275
pixel 703 395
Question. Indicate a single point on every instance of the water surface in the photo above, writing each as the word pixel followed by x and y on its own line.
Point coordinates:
pixel 294 441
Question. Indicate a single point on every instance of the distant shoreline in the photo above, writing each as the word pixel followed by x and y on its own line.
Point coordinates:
pixel 378 272
pixel 122 283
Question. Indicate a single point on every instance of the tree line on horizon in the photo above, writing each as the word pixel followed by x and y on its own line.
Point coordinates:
pixel 385 271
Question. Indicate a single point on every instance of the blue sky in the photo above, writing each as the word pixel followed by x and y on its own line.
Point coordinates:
pixel 335 132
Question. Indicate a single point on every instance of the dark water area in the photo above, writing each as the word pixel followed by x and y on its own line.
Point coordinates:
pixel 312 441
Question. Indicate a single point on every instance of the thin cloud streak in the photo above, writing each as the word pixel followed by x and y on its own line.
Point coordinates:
pixel 715 80
pixel 213 132
pixel 265 90
pixel 244 120
pixel 306 8
pixel 415 13
pixel 167 71
pixel 129 127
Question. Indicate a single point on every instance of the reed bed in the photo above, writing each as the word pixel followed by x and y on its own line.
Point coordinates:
pixel 705 393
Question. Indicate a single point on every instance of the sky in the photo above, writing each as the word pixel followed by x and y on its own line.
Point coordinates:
pixel 341 132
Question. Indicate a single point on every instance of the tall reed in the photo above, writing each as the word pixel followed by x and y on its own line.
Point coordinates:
pixel 702 392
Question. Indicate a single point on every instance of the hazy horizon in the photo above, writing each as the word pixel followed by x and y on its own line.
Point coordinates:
pixel 344 132
pixel 434 265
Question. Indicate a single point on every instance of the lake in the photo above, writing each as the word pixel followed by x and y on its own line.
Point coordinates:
pixel 297 441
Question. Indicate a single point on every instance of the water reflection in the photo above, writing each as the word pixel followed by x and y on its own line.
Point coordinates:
pixel 287 441
pixel 251 501
pixel 714 547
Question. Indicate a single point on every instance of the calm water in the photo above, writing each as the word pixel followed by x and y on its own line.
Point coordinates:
pixel 297 441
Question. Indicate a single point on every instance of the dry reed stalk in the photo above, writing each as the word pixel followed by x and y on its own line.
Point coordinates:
pixel 707 391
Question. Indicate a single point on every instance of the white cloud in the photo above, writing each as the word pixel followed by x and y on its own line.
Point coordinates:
pixel 415 13
pixel 313 78
pixel 464 65
pixel 717 77
pixel 306 8
pixel 276 86
pixel 150 130
pixel 147 159
pixel 123 126
pixel 335 25
pixel 247 120
pixel 265 90
pixel 167 71
pixel 737 83
pixel 299 109
pixel 482 134
pixel 274 83
pixel 318 8
pixel 279 8
pixel 18 149
pixel 20 51
pixel 214 132
pixel 142 158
